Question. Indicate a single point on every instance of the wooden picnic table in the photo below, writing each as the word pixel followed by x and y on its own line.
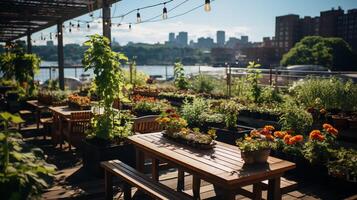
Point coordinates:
pixel 38 107
pixel 222 166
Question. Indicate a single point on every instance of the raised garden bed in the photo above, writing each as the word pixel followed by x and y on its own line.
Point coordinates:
pixel 230 136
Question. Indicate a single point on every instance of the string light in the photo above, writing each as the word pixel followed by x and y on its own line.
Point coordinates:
pixel 207 5
pixel 70 30
pixel 164 12
pixel 50 36
pixel 130 26
pixel 78 26
pixel 41 36
pixel 138 18
pixel 88 26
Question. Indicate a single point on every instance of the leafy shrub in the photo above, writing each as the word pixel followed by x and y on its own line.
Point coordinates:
pixel 192 112
pixel 294 118
pixel 330 93
pixel 230 110
pixel 253 79
pixel 203 84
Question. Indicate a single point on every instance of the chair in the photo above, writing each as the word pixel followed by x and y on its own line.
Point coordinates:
pixel 47 122
pixel 146 124
pixel 78 124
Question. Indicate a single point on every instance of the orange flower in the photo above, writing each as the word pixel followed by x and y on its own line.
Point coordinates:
pixel 316 135
pixel 265 131
pixel 327 126
pixel 280 134
pixel 292 141
pixel 269 137
pixel 287 138
pixel 254 133
pixel 269 127
pixel 332 131
pixel 299 138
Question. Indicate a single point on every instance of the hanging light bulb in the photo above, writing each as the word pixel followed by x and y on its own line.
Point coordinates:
pixel 56 35
pixel 70 24
pixel 130 26
pixel 78 26
pixel 88 26
pixel 164 12
pixel 119 24
pixel 138 18
pixel 207 5
pixel 70 30
pixel 50 36
pixel 63 26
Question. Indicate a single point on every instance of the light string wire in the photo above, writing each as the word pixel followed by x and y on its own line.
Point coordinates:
pixel 152 19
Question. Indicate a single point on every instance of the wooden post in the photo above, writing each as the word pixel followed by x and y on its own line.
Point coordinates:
pixel 108 185
pixel 60 55
pixel 29 44
pixel 274 191
pixel 106 19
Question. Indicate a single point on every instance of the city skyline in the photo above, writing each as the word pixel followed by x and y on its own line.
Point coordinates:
pixel 236 17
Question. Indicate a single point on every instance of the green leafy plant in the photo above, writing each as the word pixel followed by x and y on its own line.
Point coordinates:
pixel 230 110
pixel 343 162
pixel 294 118
pixel 20 66
pixel 192 112
pixel 253 77
pixel 23 171
pixel 203 84
pixel 179 76
pixel 109 80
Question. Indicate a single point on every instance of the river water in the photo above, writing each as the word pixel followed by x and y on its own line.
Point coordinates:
pixel 163 71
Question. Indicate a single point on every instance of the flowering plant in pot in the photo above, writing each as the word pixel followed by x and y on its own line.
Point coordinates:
pixel 255 148
pixel 318 148
pixel 171 122
pixel 79 102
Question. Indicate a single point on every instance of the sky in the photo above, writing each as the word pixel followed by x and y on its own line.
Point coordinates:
pixel 255 18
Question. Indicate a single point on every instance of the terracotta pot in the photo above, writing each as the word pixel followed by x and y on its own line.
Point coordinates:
pixel 259 156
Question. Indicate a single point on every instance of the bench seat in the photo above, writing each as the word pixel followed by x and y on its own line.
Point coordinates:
pixel 132 177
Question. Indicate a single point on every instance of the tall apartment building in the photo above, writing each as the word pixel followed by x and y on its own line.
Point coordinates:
pixel 171 37
pixel 328 22
pixel 347 27
pixel 287 31
pixel 290 29
pixel 221 38
pixel 182 39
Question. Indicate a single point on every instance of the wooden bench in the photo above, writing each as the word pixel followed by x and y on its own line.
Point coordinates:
pixel 132 177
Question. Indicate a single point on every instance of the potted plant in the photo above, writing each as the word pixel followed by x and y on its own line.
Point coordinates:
pixel 107 137
pixel 77 102
pixel 256 147
pixel 343 164
pixel 171 122
pixel 149 106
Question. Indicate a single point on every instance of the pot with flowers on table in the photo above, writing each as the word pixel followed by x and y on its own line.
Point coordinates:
pixel 175 128
pixel 255 147
pixel 77 102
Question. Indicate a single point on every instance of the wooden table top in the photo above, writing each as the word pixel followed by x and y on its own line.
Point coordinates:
pixel 36 104
pixel 65 111
pixel 221 165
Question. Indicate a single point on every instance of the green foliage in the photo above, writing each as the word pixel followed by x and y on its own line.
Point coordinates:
pixel 151 107
pixel 203 84
pixel 179 76
pixel 138 78
pixel 344 161
pixel 21 67
pixel 333 53
pixel 253 77
pixel 317 152
pixel 248 144
pixel 23 171
pixel 230 111
pixel 295 119
pixel 192 112
pixel 109 79
pixel 330 93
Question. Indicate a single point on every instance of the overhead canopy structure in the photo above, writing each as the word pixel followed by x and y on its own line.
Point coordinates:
pixel 19 18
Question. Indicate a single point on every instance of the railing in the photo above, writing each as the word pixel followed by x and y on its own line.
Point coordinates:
pixel 274 77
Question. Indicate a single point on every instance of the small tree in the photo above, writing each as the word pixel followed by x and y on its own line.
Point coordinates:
pixel 109 81
pixel 179 75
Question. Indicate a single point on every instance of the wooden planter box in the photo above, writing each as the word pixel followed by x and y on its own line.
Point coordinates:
pixel 75 106
pixel 230 136
pixel 95 151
